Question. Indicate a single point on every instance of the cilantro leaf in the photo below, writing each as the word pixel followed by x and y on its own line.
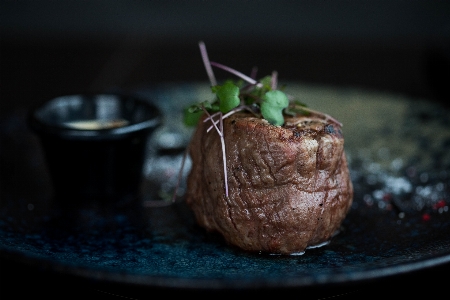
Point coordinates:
pixel 272 105
pixel 191 116
pixel 228 95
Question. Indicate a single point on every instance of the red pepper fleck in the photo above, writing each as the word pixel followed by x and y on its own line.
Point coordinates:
pixel 439 204
pixel 387 197
pixel 426 217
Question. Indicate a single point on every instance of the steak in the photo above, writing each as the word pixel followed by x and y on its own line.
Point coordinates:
pixel 289 186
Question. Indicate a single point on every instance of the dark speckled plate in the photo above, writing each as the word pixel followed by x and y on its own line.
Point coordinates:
pixel 399 157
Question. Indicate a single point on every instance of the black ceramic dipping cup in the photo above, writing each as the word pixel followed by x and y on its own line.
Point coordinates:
pixel 95 146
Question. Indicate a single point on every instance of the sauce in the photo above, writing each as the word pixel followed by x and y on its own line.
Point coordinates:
pixel 97 124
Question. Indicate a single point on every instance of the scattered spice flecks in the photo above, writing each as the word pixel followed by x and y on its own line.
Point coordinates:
pixel 404 190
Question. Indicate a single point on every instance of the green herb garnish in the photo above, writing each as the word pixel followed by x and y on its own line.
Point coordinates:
pixel 272 106
pixel 228 95
pixel 262 97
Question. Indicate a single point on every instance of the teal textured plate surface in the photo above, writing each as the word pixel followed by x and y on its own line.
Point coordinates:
pixel 399 158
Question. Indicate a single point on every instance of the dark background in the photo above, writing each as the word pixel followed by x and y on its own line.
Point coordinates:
pixel 50 48
pixel 53 48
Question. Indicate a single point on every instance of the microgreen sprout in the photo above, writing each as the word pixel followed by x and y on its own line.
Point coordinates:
pixel 260 97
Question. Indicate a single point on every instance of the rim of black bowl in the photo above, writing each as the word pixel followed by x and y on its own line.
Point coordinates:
pixel 44 128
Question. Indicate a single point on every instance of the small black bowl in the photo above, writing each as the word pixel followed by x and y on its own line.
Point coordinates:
pixel 95 145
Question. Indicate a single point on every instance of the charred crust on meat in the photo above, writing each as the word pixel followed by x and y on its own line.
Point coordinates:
pixel 329 129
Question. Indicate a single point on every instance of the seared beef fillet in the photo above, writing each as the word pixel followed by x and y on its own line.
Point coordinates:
pixel 289 186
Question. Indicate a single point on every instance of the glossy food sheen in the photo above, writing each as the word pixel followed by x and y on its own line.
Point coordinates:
pixel 289 186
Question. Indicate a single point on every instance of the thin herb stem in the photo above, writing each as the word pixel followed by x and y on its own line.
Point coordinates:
pixel 224 116
pixel 274 80
pixel 209 71
pixel 224 157
pixel 222 141
pixel 235 72
pixel 326 116
pixel 210 117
